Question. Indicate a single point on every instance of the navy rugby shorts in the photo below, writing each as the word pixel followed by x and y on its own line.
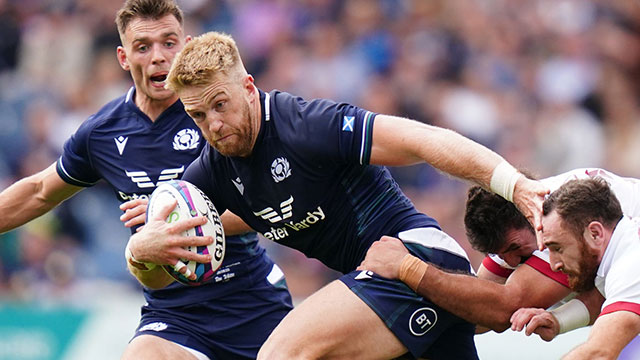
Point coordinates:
pixel 230 327
pixel 427 330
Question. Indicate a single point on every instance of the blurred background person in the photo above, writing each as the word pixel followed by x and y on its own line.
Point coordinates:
pixel 549 84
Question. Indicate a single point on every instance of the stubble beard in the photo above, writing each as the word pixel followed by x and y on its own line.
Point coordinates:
pixel 584 279
pixel 243 147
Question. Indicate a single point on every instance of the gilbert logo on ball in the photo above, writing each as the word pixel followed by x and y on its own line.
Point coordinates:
pixel 191 202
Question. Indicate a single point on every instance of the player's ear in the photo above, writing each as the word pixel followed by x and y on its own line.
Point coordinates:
pixel 122 58
pixel 248 83
pixel 595 234
pixel 187 39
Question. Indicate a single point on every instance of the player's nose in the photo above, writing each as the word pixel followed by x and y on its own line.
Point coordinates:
pixel 555 263
pixel 157 55
pixel 513 260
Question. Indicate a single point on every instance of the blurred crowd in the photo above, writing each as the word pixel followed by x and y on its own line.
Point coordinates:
pixel 549 84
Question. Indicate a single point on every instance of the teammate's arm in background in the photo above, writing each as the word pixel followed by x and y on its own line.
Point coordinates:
pixel 32 197
pixel 479 301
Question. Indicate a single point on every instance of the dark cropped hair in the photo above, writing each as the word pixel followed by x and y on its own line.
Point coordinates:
pixel 146 9
pixel 488 217
pixel 579 202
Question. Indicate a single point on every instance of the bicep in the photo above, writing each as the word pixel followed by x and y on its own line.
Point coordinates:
pixel 52 189
pixel 486 274
pixel 395 141
pixel 398 142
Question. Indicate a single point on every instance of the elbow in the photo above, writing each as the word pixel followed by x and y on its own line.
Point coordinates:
pixel 502 315
pixel 501 327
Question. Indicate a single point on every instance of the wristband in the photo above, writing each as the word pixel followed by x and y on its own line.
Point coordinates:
pixel 412 271
pixel 572 315
pixel 142 266
pixel 503 180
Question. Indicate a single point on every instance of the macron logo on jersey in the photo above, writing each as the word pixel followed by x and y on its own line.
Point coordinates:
pixel 269 214
pixel 238 185
pixel 347 123
pixel 142 179
pixel 121 142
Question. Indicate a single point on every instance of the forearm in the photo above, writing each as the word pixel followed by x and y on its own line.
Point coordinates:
pixel 478 301
pixel 32 197
pixel 233 224
pixel 608 336
pixel 155 278
pixel 461 157
pixel 593 300
pixel 588 351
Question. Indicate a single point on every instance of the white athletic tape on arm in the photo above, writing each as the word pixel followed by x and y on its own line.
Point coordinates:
pixel 130 259
pixel 572 315
pixel 503 180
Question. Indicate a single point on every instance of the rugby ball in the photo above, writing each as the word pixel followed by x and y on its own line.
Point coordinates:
pixel 191 202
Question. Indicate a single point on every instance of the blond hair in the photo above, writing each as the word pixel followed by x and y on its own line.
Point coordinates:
pixel 203 58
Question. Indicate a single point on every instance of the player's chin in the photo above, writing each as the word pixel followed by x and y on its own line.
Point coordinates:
pixel 228 147
pixel 162 94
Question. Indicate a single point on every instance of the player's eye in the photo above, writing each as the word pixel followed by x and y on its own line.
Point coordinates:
pixel 143 48
pixel 169 44
pixel 197 116
pixel 220 105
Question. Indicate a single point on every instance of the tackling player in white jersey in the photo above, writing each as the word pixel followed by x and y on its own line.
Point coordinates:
pixel 495 226
pixel 591 241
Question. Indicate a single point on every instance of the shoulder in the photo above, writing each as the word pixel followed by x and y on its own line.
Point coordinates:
pixel 291 106
pixel 110 115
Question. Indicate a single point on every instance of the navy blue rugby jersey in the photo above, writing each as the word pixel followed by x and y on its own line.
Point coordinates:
pixel 308 183
pixel 121 145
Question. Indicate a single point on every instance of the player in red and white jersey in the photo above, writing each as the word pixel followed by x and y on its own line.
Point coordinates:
pixel 591 241
pixel 495 226
pixel 497 261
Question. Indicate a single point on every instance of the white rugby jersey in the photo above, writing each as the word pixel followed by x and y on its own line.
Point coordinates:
pixel 617 277
pixel 627 191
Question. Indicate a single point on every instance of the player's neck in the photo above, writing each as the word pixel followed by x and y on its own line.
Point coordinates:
pixel 153 108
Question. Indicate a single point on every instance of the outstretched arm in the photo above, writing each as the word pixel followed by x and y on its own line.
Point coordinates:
pixel 476 300
pixel 609 335
pixel 32 197
pixel 399 141
pixel 577 313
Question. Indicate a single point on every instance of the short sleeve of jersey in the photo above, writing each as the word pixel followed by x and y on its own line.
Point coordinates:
pixel 539 260
pixel 622 283
pixel 325 130
pixel 200 174
pixel 495 265
pixel 74 165
pixel 623 290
